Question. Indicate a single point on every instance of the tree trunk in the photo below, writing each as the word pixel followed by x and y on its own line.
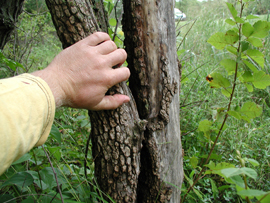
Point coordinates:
pixel 150 43
pixel 137 151
pixel 9 13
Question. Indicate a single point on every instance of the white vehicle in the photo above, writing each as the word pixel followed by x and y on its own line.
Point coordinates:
pixel 179 15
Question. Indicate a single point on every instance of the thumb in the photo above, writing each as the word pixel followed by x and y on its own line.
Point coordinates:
pixel 111 102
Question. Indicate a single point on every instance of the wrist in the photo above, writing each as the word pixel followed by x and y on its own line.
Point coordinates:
pixel 59 96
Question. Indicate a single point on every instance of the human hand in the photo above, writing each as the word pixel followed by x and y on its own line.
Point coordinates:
pixel 81 74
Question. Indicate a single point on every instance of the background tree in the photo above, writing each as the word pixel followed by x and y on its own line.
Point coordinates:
pixel 9 13
pixel 137 151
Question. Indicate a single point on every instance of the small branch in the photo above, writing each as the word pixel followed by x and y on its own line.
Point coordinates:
pixel 184 105
pixel 58 186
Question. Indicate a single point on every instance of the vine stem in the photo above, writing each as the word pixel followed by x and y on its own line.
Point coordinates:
pixel 226 116
pixel 58 186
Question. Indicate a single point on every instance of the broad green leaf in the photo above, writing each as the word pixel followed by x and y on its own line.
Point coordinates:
pixel 204 126
pixel 230 172
pixel 227 92
pixel 251 193
pixel 253 162
pixel 247 29
pixel 218 40
pixel 239 20
pixel 231 37
pixel 232 49
pixel 229 65
pixel 194 161
pixel 113 22
pixel 251 110
pixel 230 21
pixel 232 9
pixel 261 80
pixel 255 42
pixel 237 180
pixel 266 198
pixel 257 56
pixel 235 114
pixel 247 77
pixel 56 152
pixel 22 179
pixel 252 17
pixel 261 29
pixel 24 158
pixel 244 46
pixel 249 87
pixel 219 81
pixel 216 168
pixel 251 66
pixel 55 133
pixel 249 172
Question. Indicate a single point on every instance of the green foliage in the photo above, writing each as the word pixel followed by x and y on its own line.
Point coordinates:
pixel 229 113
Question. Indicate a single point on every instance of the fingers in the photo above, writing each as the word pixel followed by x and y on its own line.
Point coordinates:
pixel 96 38
pixel 112 102
pixel 106 47
pixel 117 75
pixel 116 57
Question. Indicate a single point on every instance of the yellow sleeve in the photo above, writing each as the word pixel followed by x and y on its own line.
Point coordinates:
pixel 27 109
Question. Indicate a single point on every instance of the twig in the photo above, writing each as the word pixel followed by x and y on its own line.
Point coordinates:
pixel 58 186
pixel 184 105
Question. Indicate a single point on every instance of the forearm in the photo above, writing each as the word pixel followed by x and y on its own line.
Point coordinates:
pixel 27 111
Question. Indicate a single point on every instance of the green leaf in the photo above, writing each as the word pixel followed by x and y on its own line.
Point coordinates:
pixel 257 56
pixel 22 179
pixel 255 42
pixel 194 161
pixel 235 114
pixel 227 92
pixel 230 21
pixel 219 81
pixel 204 126
pixel 261 80
pixel 251 193
pixel 261 29
pixel 214 187
pixel 249 172
pixel 232 10
pixel 247 77
pixel 244 46
pixel 253 162
pixel 231 37
pixel 216 169
pixel 232 49
pixel 247 29
pixel 229 172
pixel 266 198
pixel 113 22
pixel 24 158
pixel 249 87
pixel 229 65
pixel 237 180
pixel 250 66
pixel 218 40
pixel 252 17
pixel 251 110
pixel 56 134
pixel 56 152
pixel 239 20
